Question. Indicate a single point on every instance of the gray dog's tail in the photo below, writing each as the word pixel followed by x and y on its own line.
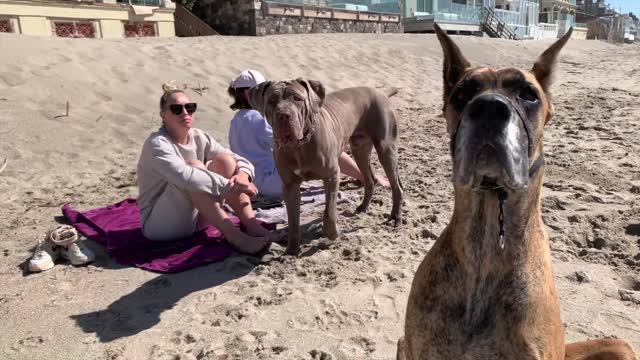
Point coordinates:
pixel 390 91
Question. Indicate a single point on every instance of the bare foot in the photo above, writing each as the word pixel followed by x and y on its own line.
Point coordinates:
pixel 276 236
pixel 253 228
pixel 248 244
pixel 381 180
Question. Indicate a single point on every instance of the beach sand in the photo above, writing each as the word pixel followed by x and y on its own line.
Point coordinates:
pixel 347 302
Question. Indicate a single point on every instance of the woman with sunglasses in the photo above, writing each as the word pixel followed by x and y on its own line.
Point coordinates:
pixel 184 177
pixel 251 136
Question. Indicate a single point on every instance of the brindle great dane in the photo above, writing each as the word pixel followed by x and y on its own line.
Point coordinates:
pixel 486 290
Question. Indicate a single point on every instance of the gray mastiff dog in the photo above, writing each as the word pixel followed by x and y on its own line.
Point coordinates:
pixel 310 131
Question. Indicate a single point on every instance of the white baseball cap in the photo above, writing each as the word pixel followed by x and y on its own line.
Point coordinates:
pixel 247 79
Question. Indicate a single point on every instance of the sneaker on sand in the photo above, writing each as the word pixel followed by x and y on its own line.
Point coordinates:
pixel 77 254
pixel 44 256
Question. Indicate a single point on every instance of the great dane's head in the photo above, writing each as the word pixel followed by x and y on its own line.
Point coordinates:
pixel 289 107
pixel 496 118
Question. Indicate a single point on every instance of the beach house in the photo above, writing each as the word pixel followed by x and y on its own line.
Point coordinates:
pixel 87 18
pixel 512 19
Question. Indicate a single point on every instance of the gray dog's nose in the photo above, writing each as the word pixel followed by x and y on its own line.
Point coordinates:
pixel 283 117
pixel 490 109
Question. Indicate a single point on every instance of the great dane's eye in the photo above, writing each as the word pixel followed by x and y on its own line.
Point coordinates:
pixel 297 97
pixel 273 101
pixel 464 94
pixel 527 93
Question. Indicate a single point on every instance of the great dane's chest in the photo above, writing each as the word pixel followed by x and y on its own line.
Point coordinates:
pixel 455 321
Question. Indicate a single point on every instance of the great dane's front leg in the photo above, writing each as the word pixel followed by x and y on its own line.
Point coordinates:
pixel 292 201
pixel 401 353
pixel 330 219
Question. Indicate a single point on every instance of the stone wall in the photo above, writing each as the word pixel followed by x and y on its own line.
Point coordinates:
pixel 229 17
pixel 271 25
pixel 254 17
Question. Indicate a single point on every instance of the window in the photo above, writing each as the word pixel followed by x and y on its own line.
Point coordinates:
pixel 139 29
pixel 140 2
pixel 5 26
pixel 75 29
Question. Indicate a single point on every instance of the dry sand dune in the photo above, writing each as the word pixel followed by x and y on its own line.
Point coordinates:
pixel 348 301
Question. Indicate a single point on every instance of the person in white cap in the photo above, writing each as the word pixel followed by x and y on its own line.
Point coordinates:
pixel 251 137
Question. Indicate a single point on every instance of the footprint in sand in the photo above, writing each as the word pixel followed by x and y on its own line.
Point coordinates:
pixel 12 77
pixel 320 355
pixel 164 353
pixel 225 314
pixel 31 341
pixel 180 338
pixel 358 347
pixel 114 353
pixel 7 127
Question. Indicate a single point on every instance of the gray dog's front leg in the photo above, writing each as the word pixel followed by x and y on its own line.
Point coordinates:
pixel 330 219
pixel 292 201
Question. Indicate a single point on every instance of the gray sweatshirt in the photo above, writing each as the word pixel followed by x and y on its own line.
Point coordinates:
pixel 163 162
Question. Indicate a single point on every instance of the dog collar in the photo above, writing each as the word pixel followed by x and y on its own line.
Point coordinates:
pixel 307 137
pixel 502 194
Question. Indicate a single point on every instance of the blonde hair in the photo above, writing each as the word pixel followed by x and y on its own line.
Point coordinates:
pixel 169 88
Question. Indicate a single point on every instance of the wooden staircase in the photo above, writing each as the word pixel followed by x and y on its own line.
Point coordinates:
pixel 495 27
pixel 187 24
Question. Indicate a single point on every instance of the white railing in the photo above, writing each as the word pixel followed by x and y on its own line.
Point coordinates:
pixel 449 11
pixel 521 18
pixel 510 17
pixel 543 31
pixel 521 30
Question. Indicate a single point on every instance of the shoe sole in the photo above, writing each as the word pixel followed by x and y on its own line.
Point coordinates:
pixel 37 269
pixel 89 261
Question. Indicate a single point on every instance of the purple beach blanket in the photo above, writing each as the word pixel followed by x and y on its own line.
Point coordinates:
pixel 118 228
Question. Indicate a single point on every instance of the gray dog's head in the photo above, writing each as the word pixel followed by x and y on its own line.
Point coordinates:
pixel 288 106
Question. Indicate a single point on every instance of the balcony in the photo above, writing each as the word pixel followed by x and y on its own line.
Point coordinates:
pixel 448 11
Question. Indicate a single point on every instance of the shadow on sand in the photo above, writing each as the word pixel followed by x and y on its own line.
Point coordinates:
pixel 141 309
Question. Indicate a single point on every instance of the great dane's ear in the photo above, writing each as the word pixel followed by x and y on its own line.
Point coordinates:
pixel 543 68
pixel 316 92
pixel 454 64
pixel 257 97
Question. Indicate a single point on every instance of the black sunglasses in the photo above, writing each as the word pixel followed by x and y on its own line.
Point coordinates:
pixel 176 109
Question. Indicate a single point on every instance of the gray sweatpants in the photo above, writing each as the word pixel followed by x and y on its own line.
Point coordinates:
pixel 173 216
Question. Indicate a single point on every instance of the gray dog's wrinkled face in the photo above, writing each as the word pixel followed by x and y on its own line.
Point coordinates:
pixel 288 106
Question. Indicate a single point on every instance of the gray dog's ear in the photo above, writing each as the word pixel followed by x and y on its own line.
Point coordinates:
pixel 454 64
pixel 543 68
pixel 316 93
pixel 257 98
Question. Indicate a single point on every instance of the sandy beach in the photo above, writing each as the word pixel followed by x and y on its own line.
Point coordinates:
pixel 346 302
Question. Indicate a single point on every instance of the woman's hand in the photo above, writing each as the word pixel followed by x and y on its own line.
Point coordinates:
pixel 242 184
pixel 197 163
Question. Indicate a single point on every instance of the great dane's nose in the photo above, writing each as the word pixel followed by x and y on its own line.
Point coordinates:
pixel 492 110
